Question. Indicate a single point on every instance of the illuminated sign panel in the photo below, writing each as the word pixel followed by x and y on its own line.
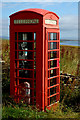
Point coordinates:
pixel 26 21
pixel 52 22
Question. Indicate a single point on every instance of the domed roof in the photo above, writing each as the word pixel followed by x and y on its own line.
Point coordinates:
pixel 36 10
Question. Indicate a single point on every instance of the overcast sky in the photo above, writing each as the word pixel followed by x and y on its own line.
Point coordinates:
pixel 67 11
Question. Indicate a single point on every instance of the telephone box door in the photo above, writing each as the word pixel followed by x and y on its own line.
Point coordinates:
pixel 52 68
pixel 25 66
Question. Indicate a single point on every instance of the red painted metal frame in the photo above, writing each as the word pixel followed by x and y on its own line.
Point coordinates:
pixel 47 79
pixel 32 79
pixel 41 29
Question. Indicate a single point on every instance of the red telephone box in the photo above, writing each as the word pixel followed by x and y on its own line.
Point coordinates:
pixel 34 57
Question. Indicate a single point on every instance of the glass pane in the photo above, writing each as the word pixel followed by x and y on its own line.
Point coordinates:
pixel 31 95
pixel 34 36
pixel 54 72
pixel 34 45
pixel 26 55
pixel 25 91
pixel 34 74
pixel 52 90
pixel 25 46
pixel 48 46
pixel 53 54
pixel 34 64
pixel 34 83
pixel 25 36
pixel 53 36
pixel 53 63
pixel 26 64
pixel 15 35
pixel 25 73
pixel 53 99
pixel 48 101
pixel 53 81
pixel 34 92
pixel 15 64
pixel 15 45
pixel 51 73
pixel 16 55
pixel 52 45
pixel 34 55
pixel 20 37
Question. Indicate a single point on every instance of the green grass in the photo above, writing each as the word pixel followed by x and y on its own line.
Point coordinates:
pixel 28 112
pixel 70 59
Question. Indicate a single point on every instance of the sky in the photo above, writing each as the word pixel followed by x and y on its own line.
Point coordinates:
pixel 67 12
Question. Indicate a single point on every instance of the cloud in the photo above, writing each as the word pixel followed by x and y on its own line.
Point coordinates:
pixel 5 27
pixel 73 35
pixel 45 4
pixel 11 4
pixel 16 6
pixel 0 27
pixel 69 22
pixel 69 26
pixel 0 9
pixel 40 1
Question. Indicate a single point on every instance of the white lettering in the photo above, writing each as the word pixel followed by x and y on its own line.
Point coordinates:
pixel 54 22
pixel 26 21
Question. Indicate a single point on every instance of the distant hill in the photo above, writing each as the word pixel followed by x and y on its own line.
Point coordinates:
pixel 67 40
pixel 4 37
